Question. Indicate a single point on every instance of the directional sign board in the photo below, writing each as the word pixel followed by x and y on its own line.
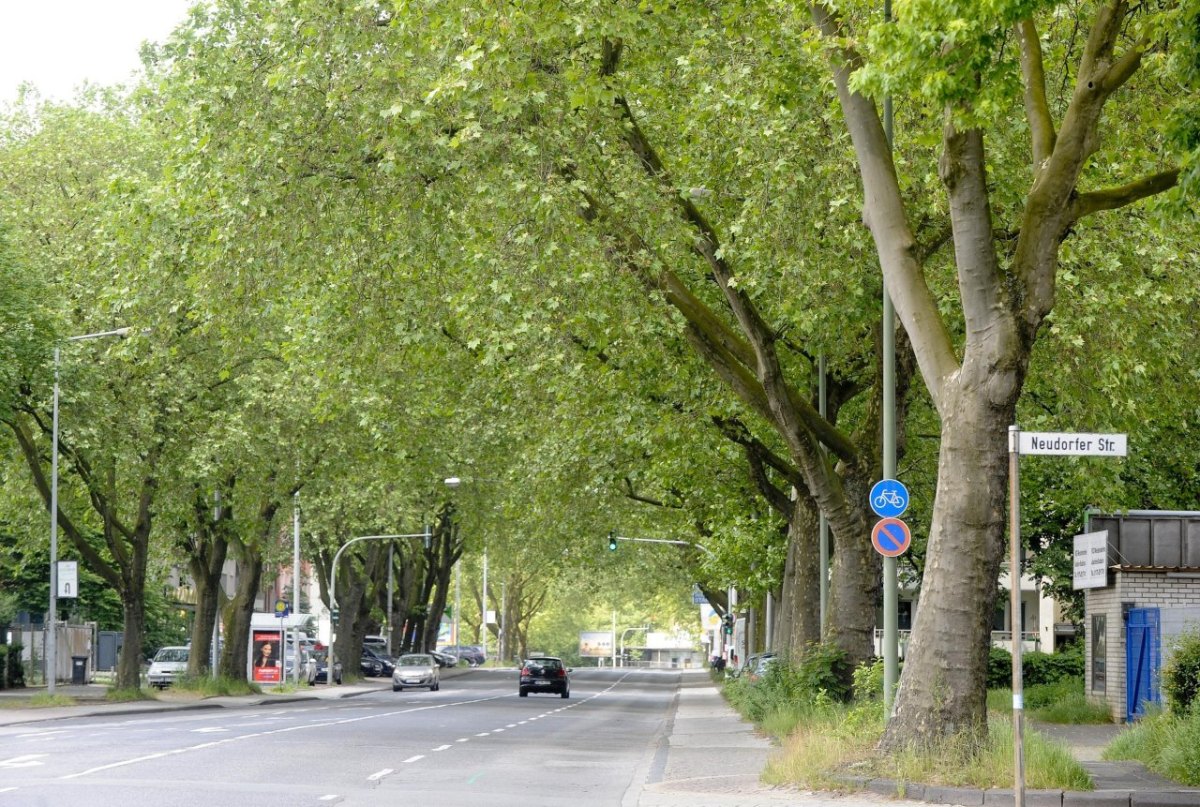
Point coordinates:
pixel 891 537
pixel 1091 560
pixel 889 498
pixel 68 578
pixel 1065 444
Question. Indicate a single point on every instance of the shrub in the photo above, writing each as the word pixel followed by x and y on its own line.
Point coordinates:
pixel 999 668
pixel 1181 676
pixel 824 668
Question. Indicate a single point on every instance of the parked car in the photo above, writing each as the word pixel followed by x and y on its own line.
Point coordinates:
pixel 444 659
pixel 317 667
pixel 756 666
pixel 377 661
pixel 471 654
pixel 416 670
pixel 168 664
pixel 544 674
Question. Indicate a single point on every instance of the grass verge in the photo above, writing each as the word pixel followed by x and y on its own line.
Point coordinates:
pixel 1166 743
pixel 42 700
pixel 834 741
pixel 127 695
pixel 207 687
pixel 1064 702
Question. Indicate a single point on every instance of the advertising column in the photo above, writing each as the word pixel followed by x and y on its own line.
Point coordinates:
pixel 266 662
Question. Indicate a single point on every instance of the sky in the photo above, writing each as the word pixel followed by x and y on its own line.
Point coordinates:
pixel 58 44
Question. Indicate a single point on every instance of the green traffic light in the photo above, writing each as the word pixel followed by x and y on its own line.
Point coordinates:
pixel 612 544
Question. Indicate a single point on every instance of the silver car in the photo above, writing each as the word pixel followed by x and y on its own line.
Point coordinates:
pixel 416 670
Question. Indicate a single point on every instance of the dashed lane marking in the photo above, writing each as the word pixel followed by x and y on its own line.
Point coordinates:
pixel 440 748
pixel 375 777
pixel 414 758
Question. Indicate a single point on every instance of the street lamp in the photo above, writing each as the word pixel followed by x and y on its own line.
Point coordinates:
pixel 454 482
pixel 333 587
pixel 52 649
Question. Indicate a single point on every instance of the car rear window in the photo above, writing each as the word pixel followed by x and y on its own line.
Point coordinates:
pixel 179 654
pixel 415 661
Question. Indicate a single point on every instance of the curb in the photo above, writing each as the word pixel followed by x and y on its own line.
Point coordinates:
pixel 1001 797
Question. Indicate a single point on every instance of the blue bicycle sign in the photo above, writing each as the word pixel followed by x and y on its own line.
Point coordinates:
pixel 889 498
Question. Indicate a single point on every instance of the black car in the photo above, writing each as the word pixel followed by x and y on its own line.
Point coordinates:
pixel 469 653
pixel 545 674
pixel 375 663
pixel 317 666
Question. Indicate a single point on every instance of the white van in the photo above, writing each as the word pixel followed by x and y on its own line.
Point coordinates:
pixel 168 664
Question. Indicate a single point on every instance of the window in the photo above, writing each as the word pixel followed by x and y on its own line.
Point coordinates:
pixel 1099 651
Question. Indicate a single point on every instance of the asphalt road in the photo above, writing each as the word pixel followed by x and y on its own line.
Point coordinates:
pixel 475 742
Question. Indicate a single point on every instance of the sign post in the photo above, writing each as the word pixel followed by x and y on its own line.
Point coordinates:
pixel 68 578
pixel 1045 443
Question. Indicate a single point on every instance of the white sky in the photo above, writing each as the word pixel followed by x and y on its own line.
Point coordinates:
pixel 57 44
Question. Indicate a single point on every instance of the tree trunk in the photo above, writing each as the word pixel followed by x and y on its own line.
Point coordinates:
pixel 951 629
pixel 238 611
pixel 854 589
pixel 129 663
pixel 798 619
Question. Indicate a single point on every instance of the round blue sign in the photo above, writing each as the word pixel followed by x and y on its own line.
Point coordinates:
pixel 889 498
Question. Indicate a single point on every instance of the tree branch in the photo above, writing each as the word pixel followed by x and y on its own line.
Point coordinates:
pixel 1037 110
pixel 1086 204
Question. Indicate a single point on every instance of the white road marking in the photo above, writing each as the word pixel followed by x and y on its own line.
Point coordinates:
pixel 462 739
pixel 497 731
pixel 23 761
pixel 440 748
pixel 330 797
pixel 208 730
pixel 414 759
pixel 7 789
pixel 483 734
pixel 375 777
pixel 38 734
pixel 330 722
pixel 511 726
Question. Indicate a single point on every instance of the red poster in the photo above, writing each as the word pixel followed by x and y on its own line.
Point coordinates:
pixel 266 664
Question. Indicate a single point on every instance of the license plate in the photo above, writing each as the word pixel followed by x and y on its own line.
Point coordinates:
pixel 541 683
pixel 412 680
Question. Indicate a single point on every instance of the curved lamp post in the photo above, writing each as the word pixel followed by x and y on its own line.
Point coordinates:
pixel 333 587
pixel 52 645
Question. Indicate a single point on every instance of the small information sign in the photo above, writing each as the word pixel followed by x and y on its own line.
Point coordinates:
pixel 1090 569
pixel 68 578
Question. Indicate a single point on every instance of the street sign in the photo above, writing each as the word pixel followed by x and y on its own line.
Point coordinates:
pixel 889 498
pixel 698 597
pixel 891 537
pixel 1065 444
pixel 282 609
pixel 68 578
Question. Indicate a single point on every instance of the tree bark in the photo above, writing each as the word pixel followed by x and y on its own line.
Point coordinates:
pixel 238 613
pixel 798 620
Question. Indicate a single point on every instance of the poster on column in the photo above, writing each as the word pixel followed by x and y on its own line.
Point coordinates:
pixel 265 665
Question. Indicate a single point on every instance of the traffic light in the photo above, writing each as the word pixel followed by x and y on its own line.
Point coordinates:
pixel 333 615
pixel 612 542
pixel 727 622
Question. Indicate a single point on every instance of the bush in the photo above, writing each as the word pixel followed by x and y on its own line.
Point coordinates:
pixel 12 672
pixel 1181 676
pixel 823 674
pixel 1036 668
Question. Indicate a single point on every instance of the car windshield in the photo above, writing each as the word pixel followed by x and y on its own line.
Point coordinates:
pixel 415 661
pixel 544 663
pixel 172 654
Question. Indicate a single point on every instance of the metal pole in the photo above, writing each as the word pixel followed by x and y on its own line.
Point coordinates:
pixel 295 585
pixel 770 638
pixel 503 621
pixel 823 523
pixel 483 598
pixel 457 601
pixel 52 616
pixel 1014 584
pixel 614 640
pixel 891 593
pixel 391 584
pixel 52 644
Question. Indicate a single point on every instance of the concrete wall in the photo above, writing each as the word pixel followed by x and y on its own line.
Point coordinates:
pixel 1179 601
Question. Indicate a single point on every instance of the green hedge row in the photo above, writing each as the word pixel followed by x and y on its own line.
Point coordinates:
pixel 1036 668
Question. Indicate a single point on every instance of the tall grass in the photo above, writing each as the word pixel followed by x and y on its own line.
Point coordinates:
pixel 1166 743
pixel 1060 702
pixel 825 741
pixel 207 687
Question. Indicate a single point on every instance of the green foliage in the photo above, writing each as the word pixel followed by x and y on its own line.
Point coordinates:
pixel 1181 675
pixel 12 672
pixel 822 675
pixel 209 687
pixel 1036 668
pixel 1167 743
